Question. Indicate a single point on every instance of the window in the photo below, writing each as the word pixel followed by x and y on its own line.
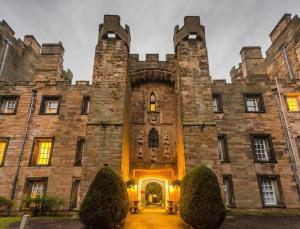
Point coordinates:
pixel 223 148
pixel 41 151
pixel 50 105
pixel 36 187
pixel 263 148
pixel 270 190
pixel 3 149
pixel 228 191
pixel 79 151
pixel 293 103
pixel 254 103
pixel 153 138
pixel 8 104
pixel 298 145
pixel 217 103
pixel 85 105
pixel 75 193
pixel 152 102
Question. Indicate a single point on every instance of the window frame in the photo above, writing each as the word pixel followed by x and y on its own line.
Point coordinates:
pixel 298 145
pixel 287 105
pixel 280 203
pixel 77 151
pixel 231 191
pixel 49 98
pixel 260 105
pixel 31 164
pixel 74 180
pixel 6 139
pixel 33 180
pixel 218 96
pixel 271 154
pixel 154 103
pixel 84 106
pixel 226 153
pixel 6 97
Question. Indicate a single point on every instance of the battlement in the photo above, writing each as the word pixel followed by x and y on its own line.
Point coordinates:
pixel 111 28
pixel 192 29
pixel 281 25
pixel 151 58
pixel 251 52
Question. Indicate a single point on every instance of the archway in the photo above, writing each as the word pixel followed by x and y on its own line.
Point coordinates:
pixel 157 187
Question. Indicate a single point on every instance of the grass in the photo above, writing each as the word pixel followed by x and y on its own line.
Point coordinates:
pixel 6 221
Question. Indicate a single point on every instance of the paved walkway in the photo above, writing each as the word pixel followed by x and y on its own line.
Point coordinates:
pixel 153 220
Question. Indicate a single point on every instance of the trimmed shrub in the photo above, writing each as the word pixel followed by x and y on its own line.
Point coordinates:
pixel 42 205
pixel 5 206
pixel 201 204
pixel 106 203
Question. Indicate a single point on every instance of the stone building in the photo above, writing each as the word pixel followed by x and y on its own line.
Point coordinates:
pixel 151 120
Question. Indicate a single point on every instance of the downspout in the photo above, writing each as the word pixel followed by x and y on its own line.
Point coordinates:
pixel 34 92
pixel 288 137
pixel 286 59
pixel 4 56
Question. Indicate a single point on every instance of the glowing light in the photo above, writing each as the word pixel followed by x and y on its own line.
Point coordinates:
pixel 293 103
pixel 44 153
pixel 171 187
pixel 2 150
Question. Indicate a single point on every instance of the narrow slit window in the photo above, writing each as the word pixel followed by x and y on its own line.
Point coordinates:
pixel 152 102
pixel 153 139
pixel 85 105
pixel 79 151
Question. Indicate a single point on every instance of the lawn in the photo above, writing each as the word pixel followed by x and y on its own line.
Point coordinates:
pixel 5 221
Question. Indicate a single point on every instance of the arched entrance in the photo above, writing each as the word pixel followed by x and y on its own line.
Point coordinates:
pixel 153 192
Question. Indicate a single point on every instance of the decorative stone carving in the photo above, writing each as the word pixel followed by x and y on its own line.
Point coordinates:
pixel 140 142
pixel 153 154
pixel 166 144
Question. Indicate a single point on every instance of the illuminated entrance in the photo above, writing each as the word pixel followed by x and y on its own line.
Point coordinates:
pixel 153 192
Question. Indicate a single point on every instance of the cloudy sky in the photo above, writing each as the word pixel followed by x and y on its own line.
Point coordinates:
pixel 230 24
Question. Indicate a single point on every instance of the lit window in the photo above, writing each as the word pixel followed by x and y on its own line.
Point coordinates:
pixel 37 190
pixel 262 148
pixel 152 102
pixel 271 190
pixel 223 148
pixel 85 105
pixel 254 103
pixel 50 105
pixel 217 105
pixel 3 148
pixel 228 191
pixel 41 152
pixel 8 104
pixel 293 103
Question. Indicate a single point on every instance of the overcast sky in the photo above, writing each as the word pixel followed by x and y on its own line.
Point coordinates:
pixel 230 24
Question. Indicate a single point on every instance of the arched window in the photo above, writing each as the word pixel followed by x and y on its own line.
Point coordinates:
pixel 153 138
pixel 152 102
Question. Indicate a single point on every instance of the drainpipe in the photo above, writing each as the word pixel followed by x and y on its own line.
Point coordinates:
pixel 286 59
pixel 286 128
pixel 7 44
pixel 34 92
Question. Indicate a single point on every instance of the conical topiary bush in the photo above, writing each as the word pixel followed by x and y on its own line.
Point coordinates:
pixel 201 203
pixel 106 202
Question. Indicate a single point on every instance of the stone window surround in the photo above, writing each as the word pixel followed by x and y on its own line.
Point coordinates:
pixel 85 107
pixel 278 193
pixel 50 97
pixel 13 97
pixel 218 96
pixel 259 97
pixel 298 145
pixel 231 203
pixel 80 148
pixel 75 180
pixel 223 137
pixel 297 100
pixel 28 185
pixel 31 164
pixel 4 139
pixel 271 152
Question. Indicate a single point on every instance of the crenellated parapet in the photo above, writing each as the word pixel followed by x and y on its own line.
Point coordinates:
pixel 152 69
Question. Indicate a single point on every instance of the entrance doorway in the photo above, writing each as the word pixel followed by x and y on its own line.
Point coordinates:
pixel 153 192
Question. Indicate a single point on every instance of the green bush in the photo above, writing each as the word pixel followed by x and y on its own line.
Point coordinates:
pixel 201 203
pixel 106 202
pixel 5 206
pixel 42 205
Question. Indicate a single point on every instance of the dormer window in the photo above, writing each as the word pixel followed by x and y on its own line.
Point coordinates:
pixel 152 102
